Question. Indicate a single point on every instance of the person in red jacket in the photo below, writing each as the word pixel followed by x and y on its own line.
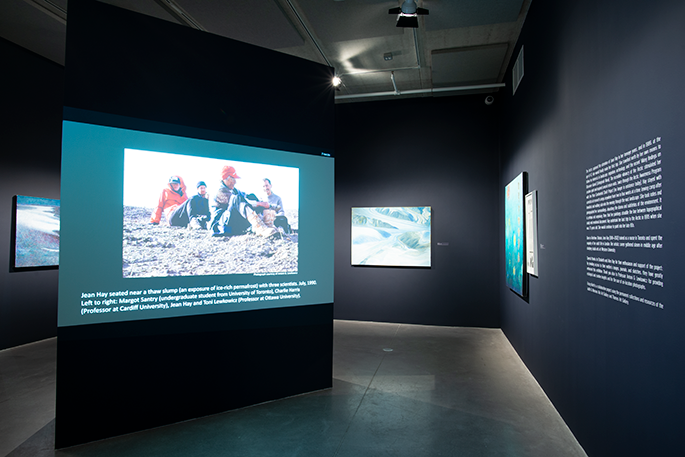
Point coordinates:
pixel 171 197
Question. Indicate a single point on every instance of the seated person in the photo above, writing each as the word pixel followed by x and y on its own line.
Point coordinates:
pixel 232 213
pixel 171 198
pixel 194 212
pixel 276 204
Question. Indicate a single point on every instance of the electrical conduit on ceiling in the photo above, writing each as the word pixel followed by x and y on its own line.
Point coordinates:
pixel 422 91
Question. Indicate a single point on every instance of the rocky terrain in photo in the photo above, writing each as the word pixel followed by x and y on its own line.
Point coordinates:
pixel 160 250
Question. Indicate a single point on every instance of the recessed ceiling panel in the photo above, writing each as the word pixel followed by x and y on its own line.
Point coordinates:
pixel 371 57
pixel 450 14
pixel 31 28
pixel 258 22
pixel 347 20
pixel 463 66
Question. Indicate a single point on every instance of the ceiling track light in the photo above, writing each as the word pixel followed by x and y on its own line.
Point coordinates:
pixel 408 14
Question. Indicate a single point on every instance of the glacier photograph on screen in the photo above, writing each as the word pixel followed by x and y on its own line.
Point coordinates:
pixel 36 232
pixel 513 234
pixel 392 236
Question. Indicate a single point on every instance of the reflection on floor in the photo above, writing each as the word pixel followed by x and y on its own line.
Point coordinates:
pixel 398 390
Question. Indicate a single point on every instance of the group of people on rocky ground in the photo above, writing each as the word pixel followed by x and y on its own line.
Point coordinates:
pixel 232 211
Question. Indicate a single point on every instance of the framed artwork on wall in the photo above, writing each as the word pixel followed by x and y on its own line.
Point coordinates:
pixel 35 233
pixel 532 233
pixel 392 236
pixel 514 234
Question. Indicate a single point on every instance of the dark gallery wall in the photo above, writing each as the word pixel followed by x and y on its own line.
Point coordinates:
pixel 600 80
pixel 31 131
pixel 438 152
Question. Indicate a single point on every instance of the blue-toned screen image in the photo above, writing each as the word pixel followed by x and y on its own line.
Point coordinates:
pixel 134 257
pixel 513 234
pixel 37 232
pixel 399 236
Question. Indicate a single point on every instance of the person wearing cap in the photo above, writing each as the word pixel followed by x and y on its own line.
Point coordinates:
pixel 194 213
pixel 173 195
pixel 232 212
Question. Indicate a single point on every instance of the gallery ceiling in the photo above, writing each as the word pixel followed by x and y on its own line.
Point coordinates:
pixel 461 46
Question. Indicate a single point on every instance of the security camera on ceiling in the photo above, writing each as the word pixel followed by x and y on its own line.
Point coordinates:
pixel 408 14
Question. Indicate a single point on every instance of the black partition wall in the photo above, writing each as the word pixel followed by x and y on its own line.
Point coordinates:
pixel 597 122
pixel 130 76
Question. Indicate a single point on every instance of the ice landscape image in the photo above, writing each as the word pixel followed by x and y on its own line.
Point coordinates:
pixel 37 232
pixel 513 233
pixel 394 236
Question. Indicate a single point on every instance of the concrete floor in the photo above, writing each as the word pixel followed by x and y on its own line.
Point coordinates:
pixel 398 390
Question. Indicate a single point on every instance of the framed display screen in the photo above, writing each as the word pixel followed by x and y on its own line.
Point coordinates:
pixel 35 233
pixel 532 233
pixel 394 236
pixel 514 233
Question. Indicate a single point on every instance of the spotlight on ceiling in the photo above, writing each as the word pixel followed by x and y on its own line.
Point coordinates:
pixel 408 14
pixel 336 81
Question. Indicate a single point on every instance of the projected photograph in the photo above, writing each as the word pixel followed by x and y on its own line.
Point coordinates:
pixel 36 232
pixel 513 234
pixel 399 236
pixel 192 216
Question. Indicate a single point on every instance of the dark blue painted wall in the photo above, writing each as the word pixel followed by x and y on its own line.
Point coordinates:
pixel 31 132
pixel 438 152
pixel 600 79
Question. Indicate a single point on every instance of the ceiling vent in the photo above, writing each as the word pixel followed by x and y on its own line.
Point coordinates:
pixel 517 72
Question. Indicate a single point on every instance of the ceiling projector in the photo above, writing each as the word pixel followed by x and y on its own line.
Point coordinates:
pixel 408 14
